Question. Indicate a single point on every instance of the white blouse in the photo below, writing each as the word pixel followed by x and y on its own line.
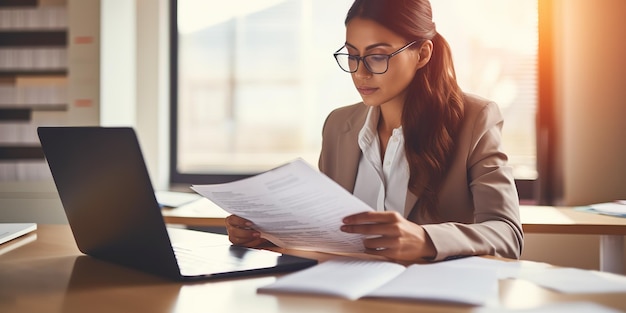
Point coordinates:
pixel 382 186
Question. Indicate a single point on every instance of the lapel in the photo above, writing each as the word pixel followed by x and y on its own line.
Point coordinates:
pixel 348 151
pixel 349 155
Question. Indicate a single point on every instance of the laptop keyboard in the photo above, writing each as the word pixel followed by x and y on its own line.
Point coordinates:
pixel 199 261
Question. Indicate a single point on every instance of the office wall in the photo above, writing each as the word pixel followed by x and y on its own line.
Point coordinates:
pixel 119 67
pixel 590 99
pixel 134 91
pixel 153 87
pixel 135 80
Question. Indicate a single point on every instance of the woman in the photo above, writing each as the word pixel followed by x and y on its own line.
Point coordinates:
pixel 426 156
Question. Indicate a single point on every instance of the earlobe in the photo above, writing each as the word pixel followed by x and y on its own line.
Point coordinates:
pixel 424 53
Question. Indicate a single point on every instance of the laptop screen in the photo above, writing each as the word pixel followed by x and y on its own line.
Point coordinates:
pixel 109 201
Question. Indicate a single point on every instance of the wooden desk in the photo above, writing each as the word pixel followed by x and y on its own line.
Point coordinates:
pixel 535 220
pixel 45 272
pixel 201 212
pixel 566 220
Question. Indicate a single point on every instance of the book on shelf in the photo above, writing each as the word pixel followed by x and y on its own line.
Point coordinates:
pixel 31 58
pixel 39 17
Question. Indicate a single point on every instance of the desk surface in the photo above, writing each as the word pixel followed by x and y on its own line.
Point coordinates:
pixel 535 219
pixel 45 272
pixel 566 220
pixel 201 212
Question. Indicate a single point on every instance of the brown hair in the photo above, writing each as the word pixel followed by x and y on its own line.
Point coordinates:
pixel 433 109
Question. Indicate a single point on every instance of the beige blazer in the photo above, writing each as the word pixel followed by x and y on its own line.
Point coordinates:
pixel 478 202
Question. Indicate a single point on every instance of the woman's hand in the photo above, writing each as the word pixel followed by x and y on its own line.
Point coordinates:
pixel 392 236
pixel 241 233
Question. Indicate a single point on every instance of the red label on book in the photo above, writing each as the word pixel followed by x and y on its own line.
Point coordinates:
pixel 79 40
pixel 83 102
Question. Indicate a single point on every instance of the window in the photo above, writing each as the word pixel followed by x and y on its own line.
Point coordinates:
pixel 254 80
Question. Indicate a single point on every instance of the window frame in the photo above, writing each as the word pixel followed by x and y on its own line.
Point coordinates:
pixel 531 191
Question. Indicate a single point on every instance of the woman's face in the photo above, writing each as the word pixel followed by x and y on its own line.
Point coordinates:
pixel 365 37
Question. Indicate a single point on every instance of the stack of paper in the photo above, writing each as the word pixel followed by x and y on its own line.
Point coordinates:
pixel 616 208
pixel 10 231
pixel 294 206
pixel 470 280
pixel 355 279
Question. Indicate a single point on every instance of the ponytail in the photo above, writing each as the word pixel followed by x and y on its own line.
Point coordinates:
pixel 431 118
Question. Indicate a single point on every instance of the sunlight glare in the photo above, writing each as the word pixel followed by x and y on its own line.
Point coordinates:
pixel 194 15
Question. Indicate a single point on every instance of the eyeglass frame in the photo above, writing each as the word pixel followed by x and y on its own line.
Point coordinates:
pixel 362 58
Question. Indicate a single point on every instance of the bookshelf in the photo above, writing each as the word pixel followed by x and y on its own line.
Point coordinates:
pixel 49 76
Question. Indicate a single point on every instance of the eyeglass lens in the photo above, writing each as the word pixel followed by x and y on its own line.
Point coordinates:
pixel 375 63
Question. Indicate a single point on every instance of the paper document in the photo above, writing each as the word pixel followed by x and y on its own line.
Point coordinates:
pixel 10 231
pixel 560 307
pixel 354 279
pixel 574 280
pixel 504 269
pixel 294 206
pixel 174 199
pixel 617 208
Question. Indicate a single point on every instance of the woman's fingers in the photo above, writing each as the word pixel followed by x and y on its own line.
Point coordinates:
pixel 238 222
pixel 249 239
pixel 372 217
pixel 373 223
pixel 245 241
pixel 240 232
pixel 365 229
pixel 379 242
pixel 243 233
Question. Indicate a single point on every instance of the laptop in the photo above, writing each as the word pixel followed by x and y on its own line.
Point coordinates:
pixel 111 207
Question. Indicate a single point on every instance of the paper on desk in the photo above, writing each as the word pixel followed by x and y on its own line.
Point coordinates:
pixel 562 279
pixel 561 307
pixel 174 199
pixel 442 282
pixel 617 208
pixel 354 279
pixel 503 269
pixel 294 206
pixel 573 280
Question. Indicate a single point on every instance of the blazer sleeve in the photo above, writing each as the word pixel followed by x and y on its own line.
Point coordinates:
pixel 493 226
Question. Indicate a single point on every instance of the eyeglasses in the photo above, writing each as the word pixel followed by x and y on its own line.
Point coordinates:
pixel 374 63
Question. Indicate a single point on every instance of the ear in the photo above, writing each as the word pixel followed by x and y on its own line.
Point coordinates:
pixel 424 53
